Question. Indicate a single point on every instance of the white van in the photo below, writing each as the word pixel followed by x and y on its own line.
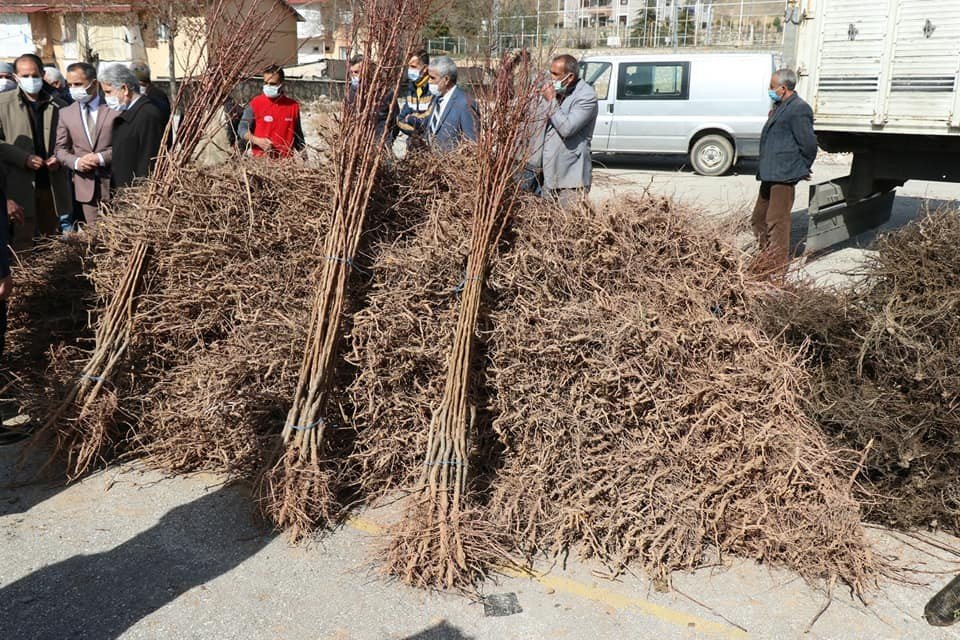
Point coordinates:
pixel 710 106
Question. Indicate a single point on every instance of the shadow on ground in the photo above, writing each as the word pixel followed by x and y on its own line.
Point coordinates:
pixel 441 631
pixel 98 597
pixel 906 209
pixel 19 490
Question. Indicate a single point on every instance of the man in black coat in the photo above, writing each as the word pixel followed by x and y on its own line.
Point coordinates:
pixel 151 91
pixel 137 131
pixel 788 147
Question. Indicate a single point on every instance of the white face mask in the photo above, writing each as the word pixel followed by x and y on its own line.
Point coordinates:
pixel 413 75
pixel 79 94
pixel 6 84
pixel 31 86
pixel 434 89
pixel 271 91
pixel 114 103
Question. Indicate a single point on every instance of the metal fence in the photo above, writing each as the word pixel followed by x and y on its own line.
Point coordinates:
pixel 633 24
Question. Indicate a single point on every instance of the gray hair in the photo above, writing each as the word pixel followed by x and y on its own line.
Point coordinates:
pixel 52 74
pixel 117 75
pixel 786 78
pixel 445 66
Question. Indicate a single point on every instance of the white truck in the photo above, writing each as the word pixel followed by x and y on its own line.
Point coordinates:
pixel 882 78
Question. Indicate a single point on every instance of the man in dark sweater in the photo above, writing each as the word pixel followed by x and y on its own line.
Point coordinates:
pixel 788 147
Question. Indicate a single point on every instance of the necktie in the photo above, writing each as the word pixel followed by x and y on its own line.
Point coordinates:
pixel 91 126
pixel 436 116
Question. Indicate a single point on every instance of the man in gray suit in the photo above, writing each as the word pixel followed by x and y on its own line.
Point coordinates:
pixel 561 145
pixel 452 120
pixel 788 147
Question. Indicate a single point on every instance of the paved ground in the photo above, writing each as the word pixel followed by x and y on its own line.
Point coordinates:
pixel 129 554
pixel 733 196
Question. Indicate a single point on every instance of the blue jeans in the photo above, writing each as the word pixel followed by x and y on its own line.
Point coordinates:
pixel 531 181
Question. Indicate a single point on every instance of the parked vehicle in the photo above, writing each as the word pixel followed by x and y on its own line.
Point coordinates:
pixel 882 79
pixel 711 107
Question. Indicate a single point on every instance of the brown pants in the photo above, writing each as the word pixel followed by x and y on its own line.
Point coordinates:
pixel 43 221
pixel 771 223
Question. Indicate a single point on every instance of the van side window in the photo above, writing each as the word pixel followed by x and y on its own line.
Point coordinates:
pixel 597 74
pixel 654 81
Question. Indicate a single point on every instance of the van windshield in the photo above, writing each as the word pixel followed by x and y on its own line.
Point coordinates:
pixel 597 74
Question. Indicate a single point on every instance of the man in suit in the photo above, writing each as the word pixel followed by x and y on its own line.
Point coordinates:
pixel 34 177
pixel 152 92
pixel 84 140
pixel 453 114
pixel 561 147
pixel 137 130
pixel 788 147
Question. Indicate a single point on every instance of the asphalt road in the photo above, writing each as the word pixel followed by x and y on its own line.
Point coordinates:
pixel 732 197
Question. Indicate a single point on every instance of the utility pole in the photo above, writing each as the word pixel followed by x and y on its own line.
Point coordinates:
pixel 676 17
pixel 87 50
pixel 495 31
pixel 539 45
pixel 171 52
pixel 740 26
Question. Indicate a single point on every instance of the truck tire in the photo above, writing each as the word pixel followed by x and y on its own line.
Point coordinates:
pixel 712 155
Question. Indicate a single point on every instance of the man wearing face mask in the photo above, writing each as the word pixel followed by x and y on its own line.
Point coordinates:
pixel 138 128
pixel 453 116
pixel 271 122
pixel 561 147
pixel 418 104
pixel 84 139
pixel 7 80
pixel 788 147
pixel 34 177
pixel 151 91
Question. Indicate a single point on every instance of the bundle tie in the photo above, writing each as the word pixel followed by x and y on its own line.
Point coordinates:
pixel 297 427
pixel 463 283
pixel 93 378
pixel 454 463
pixel 348 262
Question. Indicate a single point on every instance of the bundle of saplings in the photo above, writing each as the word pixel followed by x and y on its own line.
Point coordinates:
pixel 886 367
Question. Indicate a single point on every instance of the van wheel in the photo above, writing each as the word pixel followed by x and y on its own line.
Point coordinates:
pixel 711 155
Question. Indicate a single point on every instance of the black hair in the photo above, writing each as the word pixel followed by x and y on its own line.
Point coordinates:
pixel 423 57
pixel 29 56
pixel 274 68
pixel 569 64
pixel 89 71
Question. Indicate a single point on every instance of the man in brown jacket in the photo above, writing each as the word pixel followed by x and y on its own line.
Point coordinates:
pixel 84 138
pixel 34 177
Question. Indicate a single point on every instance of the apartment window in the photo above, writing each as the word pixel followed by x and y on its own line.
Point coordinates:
pixel 654 81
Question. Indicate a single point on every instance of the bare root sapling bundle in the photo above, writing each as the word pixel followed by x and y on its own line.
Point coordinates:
pixel 298 492
pixel 75 427
pixel 439 543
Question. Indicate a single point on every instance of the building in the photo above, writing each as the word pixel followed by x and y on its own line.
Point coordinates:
pixel 620 16
pixel 104 32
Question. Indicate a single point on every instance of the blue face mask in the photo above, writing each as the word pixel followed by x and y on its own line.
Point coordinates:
pixel 354 82
pixel 413 75
pixel 773 96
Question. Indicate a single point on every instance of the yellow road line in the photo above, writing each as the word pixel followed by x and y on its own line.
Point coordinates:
pixel 603 596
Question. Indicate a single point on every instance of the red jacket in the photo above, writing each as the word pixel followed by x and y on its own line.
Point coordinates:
pixel 279 120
